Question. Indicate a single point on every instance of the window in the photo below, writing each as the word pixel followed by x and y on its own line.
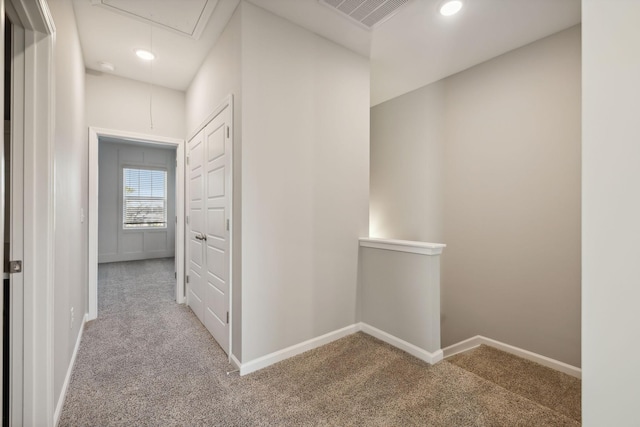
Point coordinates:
pixel 144 198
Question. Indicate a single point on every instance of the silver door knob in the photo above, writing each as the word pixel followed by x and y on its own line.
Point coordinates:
pixel 201 237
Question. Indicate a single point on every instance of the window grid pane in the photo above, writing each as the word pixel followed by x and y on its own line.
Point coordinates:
pixel 144 198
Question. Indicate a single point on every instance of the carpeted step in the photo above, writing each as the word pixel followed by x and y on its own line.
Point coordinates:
pixel 548 387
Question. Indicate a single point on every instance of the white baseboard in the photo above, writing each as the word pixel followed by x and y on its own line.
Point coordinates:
pixel 235 362
pixel 412 349
pixel 476 341
pixel 462 346
pixel 294 350
pixel 67 378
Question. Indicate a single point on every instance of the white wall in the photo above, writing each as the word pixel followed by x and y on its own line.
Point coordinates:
pixel 115 243
pixel 123 104
pixel 305 182
pixel 611 212
pixel 488 160
pixel 71 191
pixel 219 76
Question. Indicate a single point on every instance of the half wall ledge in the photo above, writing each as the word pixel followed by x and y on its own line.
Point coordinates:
pixel 409 246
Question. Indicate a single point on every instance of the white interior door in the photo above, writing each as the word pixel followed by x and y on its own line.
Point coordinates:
pixel 209 226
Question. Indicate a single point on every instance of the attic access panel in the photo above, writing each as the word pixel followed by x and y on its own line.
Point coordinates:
pixel 366 13
pixel 188 18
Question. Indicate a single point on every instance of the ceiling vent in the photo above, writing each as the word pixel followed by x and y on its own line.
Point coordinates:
pixel 366 13
pixel 188 18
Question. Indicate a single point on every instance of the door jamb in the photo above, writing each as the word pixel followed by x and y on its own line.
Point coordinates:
pixel 33 379
pixel 94 135
pixel 16 226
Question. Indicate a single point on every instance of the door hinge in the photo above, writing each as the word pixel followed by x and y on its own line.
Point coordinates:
pixel 227 317
pixel 227 225
pixel 187 278
pixel 227 131
pixel 187 219
pixel 15 267
pixel 187 159
pixel 175 274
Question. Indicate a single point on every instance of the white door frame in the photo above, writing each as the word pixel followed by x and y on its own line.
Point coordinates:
pixel 94 136
pixel 227 102
pixel 32 364
pixel 16 214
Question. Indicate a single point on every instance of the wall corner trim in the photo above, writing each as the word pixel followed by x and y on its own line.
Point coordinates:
pixel 422 248
pixel 473 342
pixel 67 378
pixel 412 349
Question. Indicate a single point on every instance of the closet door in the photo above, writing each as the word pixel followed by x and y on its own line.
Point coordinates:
pixel 218 189
pixel 210 187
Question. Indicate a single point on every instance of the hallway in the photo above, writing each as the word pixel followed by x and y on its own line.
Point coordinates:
pixel 145 359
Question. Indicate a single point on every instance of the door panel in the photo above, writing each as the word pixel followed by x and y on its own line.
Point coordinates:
pixel 195 291
pixel 215 183
pixel 216 140
pixel 210 201
pixel 215 264
pixel 216 223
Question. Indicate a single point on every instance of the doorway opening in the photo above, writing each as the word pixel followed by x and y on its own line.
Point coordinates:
pixel 136 203
pixel 136 209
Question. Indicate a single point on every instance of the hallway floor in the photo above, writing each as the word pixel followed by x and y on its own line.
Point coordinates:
pixel 147 361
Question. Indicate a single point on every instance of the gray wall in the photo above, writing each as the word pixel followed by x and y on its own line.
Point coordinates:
pixel 488 162
pixel 115 243
pixel 611 213
pixel 400 295
pixel 407 166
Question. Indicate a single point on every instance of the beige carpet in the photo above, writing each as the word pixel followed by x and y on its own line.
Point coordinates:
pixel 553 389
pixel 149 362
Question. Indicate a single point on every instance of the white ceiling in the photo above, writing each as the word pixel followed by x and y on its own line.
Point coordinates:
pixel 419 46
pixel 415 47
pixel 187 19
pixel 109 36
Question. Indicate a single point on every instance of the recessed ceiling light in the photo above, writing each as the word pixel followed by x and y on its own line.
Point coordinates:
pixel 106 66
pixel 145 54
pixel 450 7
